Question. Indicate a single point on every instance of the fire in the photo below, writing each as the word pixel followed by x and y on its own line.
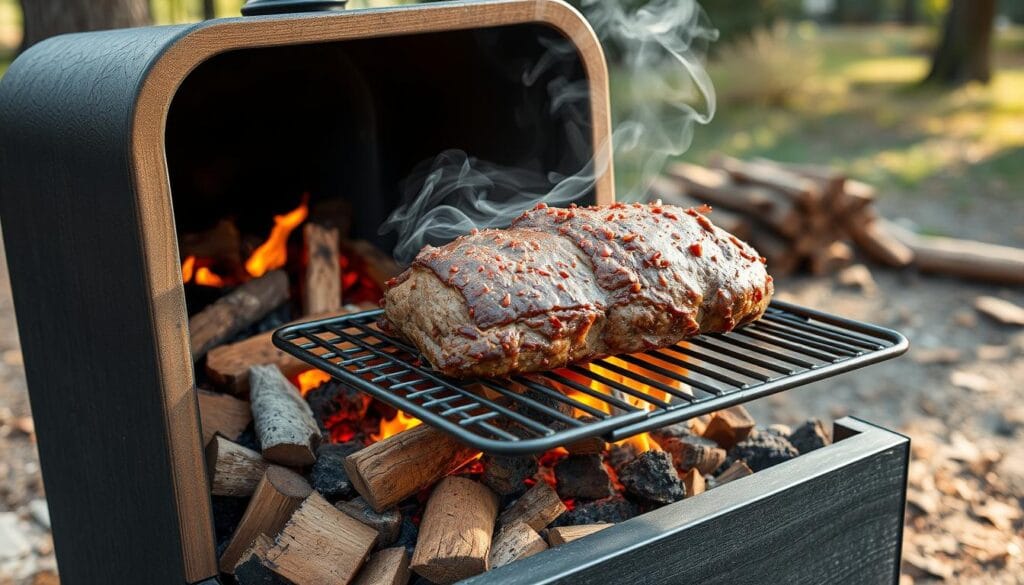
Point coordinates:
pixel 389 427
pixel 188 268
pixel 311 379
pixel 273 253
pixel 206 277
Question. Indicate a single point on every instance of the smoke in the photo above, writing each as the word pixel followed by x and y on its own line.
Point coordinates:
pixel 660 91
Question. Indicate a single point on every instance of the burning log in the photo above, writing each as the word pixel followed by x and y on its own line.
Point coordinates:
pixel 694 482
pixel 222 243
pixel 251 570
pixel 652 477
pixel 692 452
pixel 537 508
pixel 380 267
pixel 320 545
pixel 562 534
pixel 223 414
pixel 455 533
pixel 735 471
pixel 583 476
pixel 278 494
pixel 284 422
pixel 810 436
pixel 507 476
pixel 321 292
pixel 513 542
pixel 236 310
pixel 872 236
pixel 963 258
pixel 762 450
pixel 328 475
pixel 386 523
pixel 233 470
pixel 387 567
pixel 388 471
pixel 730 426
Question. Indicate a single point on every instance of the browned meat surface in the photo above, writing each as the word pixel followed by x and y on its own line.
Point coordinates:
pixel 567 285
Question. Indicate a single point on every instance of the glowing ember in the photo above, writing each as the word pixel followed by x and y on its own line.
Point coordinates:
pixel 206 277
pixel 188 268
pixel 273 253
pixel 395 425
pixel 311 379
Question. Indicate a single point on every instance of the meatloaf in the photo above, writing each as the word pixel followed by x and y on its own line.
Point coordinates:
pixel 568 285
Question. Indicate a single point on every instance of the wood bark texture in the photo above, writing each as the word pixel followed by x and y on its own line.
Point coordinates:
pixel 287 431
pixel 236 310
pixel 321 292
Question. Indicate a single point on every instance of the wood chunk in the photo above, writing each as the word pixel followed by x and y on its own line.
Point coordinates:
pixel 236 310
pixel 677 430
pixel 386 523
pixel 252 569
pixel 735 471
pixel 873 237
pixel 810 436
pixel 730 426
pixel 694 482
pixel 507 476
pixel 563 534
pixel 614 509
pixel 513 542
pixel 321 292
pixel 320 545
pixel 1001 310
pixel 388 471
pixel 653 477
pixel 222 243
pixel 277 495
pixel 284 423
pixel 692 452
pixel 455 532
pixel 379 266
pixel 963 258
pixel 537 508
pixel 222 413
pixel 233 470
pixel 583 476
pixel 387 567
pixel 800 189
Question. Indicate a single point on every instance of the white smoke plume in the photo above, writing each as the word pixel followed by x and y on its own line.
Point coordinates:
pixel 661 45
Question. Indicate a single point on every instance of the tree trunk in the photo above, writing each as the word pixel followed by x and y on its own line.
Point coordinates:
pixel 46 18
pixel 209 11
pixel 963 54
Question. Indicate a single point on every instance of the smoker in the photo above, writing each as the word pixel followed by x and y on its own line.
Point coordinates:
pixel 114 143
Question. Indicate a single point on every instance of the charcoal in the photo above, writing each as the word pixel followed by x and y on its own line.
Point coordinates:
pixel 611 510
pixel 810 436
pixel 334 399
pixel 387 523
pixel 545 400
pixel 328 475
pixel 652 476
pixel 588 446
pixel 620 455
pixel 583 476
pixel 506 476
pixel 762 450
pixel 677 430
pixel 227 513
pixel 408 534
pixel 252 572
pixel 248 438
pixel 693 452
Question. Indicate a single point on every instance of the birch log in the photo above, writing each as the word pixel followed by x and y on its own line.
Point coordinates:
pixel 285 426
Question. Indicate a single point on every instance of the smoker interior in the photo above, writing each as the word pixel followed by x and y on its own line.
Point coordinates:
pixel 251 130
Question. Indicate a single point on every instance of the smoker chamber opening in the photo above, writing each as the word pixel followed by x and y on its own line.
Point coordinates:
pixel 619 396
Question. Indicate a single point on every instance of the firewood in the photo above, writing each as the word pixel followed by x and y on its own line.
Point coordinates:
pixel 233 470
pixel 507 475
pixel 872 236
pixel 320 545
pixel 562 534
pixel 321 292
pixel 652 477
pixel 537 508
pixel 729 426
pixel 380 267
pixel 236 310
pixel 583 476
pixel 252 569
pixel 854 197
pixel 1000 310
pixel 284 423
pixel 388 471
pixel 386 523
pixel 831 258
pixel 228 365
pixel 963 258
pixel 694 482
pixel 801 190
pixel 279 492
pixel 387 567
pixel 222 244
pixel 735 471
pixel 692 452
pixel 831 182
pixel 222 413
pixel 455 532
pixel 513 542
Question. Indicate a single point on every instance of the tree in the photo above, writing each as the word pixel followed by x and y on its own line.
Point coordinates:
pixel 964 52
pixel 46 18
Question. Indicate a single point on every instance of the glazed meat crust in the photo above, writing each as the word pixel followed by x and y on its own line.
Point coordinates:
pixel 568 285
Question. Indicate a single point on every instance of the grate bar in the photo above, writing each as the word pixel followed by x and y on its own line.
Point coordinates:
pixel 622 396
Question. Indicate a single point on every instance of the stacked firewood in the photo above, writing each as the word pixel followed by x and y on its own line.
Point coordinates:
pixel 816 218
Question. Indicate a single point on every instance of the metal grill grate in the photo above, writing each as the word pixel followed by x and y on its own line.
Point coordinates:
pixel 614 398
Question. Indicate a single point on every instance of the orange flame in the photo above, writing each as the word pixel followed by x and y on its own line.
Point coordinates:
pixel 273 253
pixel 389 427
pixel 187 268
pixel 311 379
pixel 206 277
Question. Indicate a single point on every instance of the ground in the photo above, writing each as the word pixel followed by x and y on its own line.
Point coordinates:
pixel 944 162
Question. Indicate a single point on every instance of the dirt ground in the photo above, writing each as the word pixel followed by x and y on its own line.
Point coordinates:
pixel 958 394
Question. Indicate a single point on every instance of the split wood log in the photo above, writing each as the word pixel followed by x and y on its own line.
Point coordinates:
pixel 236 310
pixel 513 542
pixel 735 471
pixel 800 189
pixel 455 532
pixel 537 508
pixel 321 292
pixel 1000 310
pixel 963 258
pixel 234 470
pixel 671 191
pixel 387 567
pixel 388 471
pixel 278 494
pixel 222 413
pixel 285 426
pixel 872 236
pixel 831 258
pixel 563 534
pixel 222 243
pixel 694 482
pixel 729 426
pixel 228 365
pixel 380 267
pixel 251 568
pixel 319 545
